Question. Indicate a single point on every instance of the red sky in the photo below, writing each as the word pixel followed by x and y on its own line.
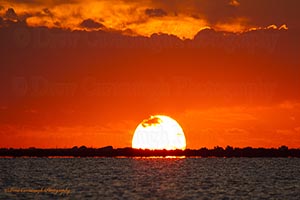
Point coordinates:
pixel 88 72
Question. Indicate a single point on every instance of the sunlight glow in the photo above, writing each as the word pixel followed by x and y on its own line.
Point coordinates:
pixel 159 132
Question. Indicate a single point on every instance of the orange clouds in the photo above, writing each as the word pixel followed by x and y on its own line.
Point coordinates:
pixel 183 19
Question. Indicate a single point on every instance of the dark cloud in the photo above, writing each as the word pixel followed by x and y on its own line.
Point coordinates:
pixel 48 12
pixel 151 121
pixel 13 16
pixel 155 12
pixel 266 12
pixel 216 11
pixel 257 12
pixel 213 10
pixel 10 14
pixel 91 24
pixel 57 24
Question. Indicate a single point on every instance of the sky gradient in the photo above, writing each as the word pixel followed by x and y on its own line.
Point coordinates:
pixel 88 72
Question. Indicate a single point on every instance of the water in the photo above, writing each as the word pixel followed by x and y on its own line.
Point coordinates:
pixel 153 178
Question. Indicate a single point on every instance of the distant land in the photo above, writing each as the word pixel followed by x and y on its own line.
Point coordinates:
pixel 109 151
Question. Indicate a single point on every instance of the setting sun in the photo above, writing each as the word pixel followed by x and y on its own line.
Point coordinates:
pixel 159 132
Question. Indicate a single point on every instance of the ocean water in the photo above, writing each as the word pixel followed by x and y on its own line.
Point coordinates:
pixel 151 178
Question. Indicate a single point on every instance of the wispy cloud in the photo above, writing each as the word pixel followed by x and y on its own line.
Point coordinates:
pixel 182 18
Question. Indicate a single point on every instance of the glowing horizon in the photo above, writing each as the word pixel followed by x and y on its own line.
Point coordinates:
pixel 80 72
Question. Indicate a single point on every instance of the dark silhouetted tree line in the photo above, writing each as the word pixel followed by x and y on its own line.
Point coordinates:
pixel 109 151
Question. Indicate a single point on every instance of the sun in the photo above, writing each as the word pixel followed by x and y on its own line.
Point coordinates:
pixel 159 132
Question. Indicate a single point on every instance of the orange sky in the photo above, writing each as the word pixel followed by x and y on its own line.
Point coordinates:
pixel 88 72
